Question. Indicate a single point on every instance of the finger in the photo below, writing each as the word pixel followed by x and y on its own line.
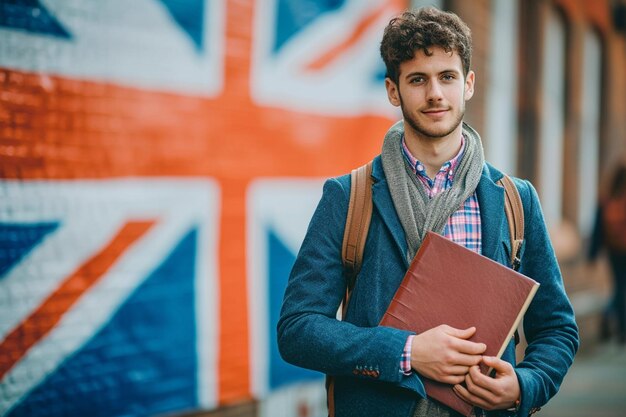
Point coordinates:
pixel 460 333
pixel 470 348
pixel 465 360
pixel 477 390
pixel 454 359
pixel 457 370
pixel 500 366
pixel 481 380
pixel 464 394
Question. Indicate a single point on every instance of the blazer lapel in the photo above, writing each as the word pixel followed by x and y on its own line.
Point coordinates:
pixel 386 209
pixel 491 202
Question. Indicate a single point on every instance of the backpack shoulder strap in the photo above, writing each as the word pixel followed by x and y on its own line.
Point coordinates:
pixel 354 237
pixel 515 216
pixel 358 221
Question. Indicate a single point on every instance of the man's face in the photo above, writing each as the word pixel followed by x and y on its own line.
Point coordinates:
pixel 431 92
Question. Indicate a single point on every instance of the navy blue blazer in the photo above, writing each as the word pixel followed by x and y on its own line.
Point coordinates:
pixel 310 336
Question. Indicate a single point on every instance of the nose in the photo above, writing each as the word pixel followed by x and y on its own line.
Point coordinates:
pixel 434 92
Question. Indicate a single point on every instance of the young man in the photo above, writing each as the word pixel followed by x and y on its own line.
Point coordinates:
pixel 431 175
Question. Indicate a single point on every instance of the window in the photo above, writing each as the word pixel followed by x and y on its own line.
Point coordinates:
pixel 501 127
pixel 588 155
pixel 552 118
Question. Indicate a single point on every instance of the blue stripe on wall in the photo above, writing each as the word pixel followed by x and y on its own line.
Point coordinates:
pixel 380 74
pixel 189 15
pixel 295 15
pixel 31 16
pixel 17 240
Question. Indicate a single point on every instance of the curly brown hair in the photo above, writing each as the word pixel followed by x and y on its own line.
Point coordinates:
pixel 422 29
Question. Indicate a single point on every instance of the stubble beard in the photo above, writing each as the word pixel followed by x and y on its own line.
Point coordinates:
pixel 425 131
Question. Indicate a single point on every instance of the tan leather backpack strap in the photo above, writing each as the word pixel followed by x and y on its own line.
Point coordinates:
pixel 354 237
pixel 357 221
pixel 515 216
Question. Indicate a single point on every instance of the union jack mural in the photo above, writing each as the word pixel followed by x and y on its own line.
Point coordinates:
pixel 160 161
pixel 91 326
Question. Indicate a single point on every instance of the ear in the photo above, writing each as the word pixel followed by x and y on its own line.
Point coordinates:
pixel 393 94
pixel 469 85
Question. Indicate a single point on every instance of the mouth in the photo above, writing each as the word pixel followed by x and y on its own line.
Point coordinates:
pixel 435 112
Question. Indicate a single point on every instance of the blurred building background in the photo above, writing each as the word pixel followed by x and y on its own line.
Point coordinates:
pixel 160 161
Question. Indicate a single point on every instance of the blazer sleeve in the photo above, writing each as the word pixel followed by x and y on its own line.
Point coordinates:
pixel 549 324
pixel 309 334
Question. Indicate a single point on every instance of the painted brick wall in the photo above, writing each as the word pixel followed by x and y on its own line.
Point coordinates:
pixel 159 162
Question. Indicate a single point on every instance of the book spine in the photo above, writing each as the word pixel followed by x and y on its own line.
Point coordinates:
pixel 518 319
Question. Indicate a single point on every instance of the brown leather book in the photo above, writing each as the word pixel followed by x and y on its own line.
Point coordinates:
pixel 450 284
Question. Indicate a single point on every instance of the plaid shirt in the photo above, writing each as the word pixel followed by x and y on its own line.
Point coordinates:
pixel 463 226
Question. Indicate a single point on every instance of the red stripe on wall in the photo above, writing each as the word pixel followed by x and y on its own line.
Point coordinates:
pixel 234 341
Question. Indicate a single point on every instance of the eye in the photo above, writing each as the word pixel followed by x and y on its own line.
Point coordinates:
pixel 448 77
pixel 417 80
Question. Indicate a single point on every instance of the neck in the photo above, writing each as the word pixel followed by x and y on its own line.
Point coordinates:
pixel 433 152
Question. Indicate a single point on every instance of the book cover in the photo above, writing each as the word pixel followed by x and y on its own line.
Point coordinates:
pixel 449 284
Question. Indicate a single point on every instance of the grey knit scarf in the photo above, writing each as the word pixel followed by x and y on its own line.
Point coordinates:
pixel 417 212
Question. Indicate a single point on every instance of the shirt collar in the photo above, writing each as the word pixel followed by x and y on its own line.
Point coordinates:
pixel 447 168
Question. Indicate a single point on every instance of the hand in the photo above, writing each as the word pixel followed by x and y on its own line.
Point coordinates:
pixel 489 393
pixel 443 353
